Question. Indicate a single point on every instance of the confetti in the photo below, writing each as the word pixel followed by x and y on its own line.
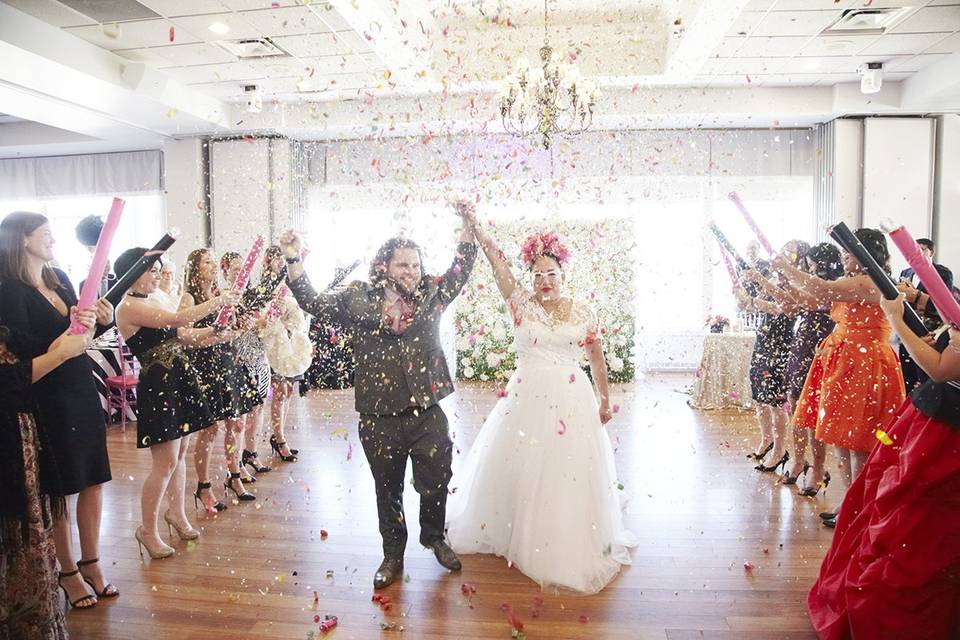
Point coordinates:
pixel 172 34
pixel 883 437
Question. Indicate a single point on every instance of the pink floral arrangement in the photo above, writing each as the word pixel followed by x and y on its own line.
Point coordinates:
pixel 539 244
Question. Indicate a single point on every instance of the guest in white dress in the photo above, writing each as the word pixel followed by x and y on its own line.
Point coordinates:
pixel 539 485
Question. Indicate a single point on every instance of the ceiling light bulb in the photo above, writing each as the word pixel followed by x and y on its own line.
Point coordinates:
pixel 219 28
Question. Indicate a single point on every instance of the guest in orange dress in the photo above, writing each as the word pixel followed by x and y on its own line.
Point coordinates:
pixel 855 385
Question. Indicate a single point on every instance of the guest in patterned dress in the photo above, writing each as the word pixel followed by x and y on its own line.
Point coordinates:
pixel 768 364
pixel 32 499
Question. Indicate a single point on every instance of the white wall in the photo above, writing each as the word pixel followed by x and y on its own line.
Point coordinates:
pixel 848 172
pixel 898 156
pixel 184 189
pixel 946 201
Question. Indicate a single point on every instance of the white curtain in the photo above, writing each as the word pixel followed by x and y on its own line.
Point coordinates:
pixel 82 175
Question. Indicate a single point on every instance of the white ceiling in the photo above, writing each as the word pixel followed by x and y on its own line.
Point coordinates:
pixel 660 62
pixel 778 43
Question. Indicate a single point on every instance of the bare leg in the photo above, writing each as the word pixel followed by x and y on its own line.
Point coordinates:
pixel 165 456
pixel 76 588
pixel 201 460
pixel 230 438
pixel 817 471
pixel 844 456
pixel 177 487
pixel 778 425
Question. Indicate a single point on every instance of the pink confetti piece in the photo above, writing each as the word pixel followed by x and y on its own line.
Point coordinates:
pixel 748 567
pixel 173 34
pixel 563 428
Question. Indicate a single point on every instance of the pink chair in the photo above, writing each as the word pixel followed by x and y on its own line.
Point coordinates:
pixel 124 385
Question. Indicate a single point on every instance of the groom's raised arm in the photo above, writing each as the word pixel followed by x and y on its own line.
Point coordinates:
pixel 328 307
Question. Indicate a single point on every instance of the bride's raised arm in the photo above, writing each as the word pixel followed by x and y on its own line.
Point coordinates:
pixel 502 274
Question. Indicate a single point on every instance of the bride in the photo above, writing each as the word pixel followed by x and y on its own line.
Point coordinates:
pixel 539 486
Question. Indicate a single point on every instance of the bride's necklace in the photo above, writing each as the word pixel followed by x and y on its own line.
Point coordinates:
pixel 556 314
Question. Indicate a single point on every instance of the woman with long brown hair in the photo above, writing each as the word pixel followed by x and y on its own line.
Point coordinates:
pixel 36 304
pixel 227 387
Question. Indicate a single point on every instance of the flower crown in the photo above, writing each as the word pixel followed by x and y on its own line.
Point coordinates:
pixel 540 244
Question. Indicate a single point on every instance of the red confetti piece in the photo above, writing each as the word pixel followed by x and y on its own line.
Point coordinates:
pixel 328 623
pixel 584 619
pixel 748 567
pixel 502 393
pixel 316 619
pixel 563 428
pixel 323 536
pixel 573 378
pixel 274 5
pixel 173 34
pixel 512 618
pixel 616 408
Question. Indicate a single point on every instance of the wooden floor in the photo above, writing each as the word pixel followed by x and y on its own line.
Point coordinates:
pixel 697 506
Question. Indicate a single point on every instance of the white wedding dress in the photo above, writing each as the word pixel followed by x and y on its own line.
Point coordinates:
pixel 539 486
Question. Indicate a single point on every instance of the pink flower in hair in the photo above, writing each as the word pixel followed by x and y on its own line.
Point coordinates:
pixel 539 244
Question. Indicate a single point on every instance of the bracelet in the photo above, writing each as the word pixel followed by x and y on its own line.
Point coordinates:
pixel 292 260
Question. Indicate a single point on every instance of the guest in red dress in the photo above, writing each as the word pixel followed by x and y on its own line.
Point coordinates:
pixel 893 570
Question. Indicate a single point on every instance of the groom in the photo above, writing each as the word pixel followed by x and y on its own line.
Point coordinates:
pixel 401 375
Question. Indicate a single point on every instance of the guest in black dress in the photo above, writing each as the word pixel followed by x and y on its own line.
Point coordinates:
pixel 36 302
pixel 228 389
pixel 30 607
pixel 916 296
pixel 768 383
pixel 170 404
pixel 813 326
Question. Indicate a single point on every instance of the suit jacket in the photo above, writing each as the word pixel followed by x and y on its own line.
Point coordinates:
pixel 394 372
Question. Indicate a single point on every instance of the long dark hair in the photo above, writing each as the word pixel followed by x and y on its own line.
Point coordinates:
pixel 827 257
pixel 378 266
pixel 876 245
pixel 191 277
pixel 13 255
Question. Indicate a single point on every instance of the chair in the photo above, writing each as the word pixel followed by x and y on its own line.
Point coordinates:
pixel 125 384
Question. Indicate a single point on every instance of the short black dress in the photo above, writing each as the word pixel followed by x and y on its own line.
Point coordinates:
pixel 229 388
pixel 170 403
pixel 812 328
pixel 768 363
pixel 68 405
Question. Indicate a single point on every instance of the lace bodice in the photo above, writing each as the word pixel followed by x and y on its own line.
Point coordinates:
pixel 543 339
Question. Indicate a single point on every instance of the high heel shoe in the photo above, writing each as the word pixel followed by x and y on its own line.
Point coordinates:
pixel 198 500
pixel 228 484
pixel 79 602
pixel 108 591
pixel 249 458
pixel 811 491
pixel 185 534
pixel 782 462
pixel 165 552
pixel 760 455
pixel 789 479
pixel 276 444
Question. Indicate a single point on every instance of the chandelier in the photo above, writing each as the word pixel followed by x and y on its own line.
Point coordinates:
pixel 551 99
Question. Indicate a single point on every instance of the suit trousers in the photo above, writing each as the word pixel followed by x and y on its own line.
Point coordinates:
pixel 422 435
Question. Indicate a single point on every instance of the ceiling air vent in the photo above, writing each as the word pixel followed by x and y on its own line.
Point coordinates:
pixel 247 49
pixel 111 10
pixel 866 21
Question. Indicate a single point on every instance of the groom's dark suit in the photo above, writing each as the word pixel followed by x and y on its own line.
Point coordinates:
pixel 400 378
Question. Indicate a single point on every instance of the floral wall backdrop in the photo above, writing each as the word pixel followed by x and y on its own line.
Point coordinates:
pixel 600 273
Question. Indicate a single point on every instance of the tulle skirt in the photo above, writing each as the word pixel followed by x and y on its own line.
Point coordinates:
pixel 539 485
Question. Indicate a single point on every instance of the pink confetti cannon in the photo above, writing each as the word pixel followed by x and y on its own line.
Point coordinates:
pixel 92 284
pixel 242 278
pixel 936 288
pixel 278 296
pixel 735 199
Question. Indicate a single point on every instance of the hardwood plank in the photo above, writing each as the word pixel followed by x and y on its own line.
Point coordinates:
pixel 698 508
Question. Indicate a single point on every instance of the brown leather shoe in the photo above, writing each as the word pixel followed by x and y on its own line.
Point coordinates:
pixel 390 569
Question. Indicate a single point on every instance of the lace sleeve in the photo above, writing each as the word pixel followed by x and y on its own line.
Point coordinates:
pixel 583 316
pixel 519 304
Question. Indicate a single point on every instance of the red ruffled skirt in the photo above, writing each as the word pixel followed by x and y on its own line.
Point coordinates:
pixel 893 570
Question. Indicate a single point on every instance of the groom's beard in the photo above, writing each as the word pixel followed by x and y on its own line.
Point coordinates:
pixel 400 289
